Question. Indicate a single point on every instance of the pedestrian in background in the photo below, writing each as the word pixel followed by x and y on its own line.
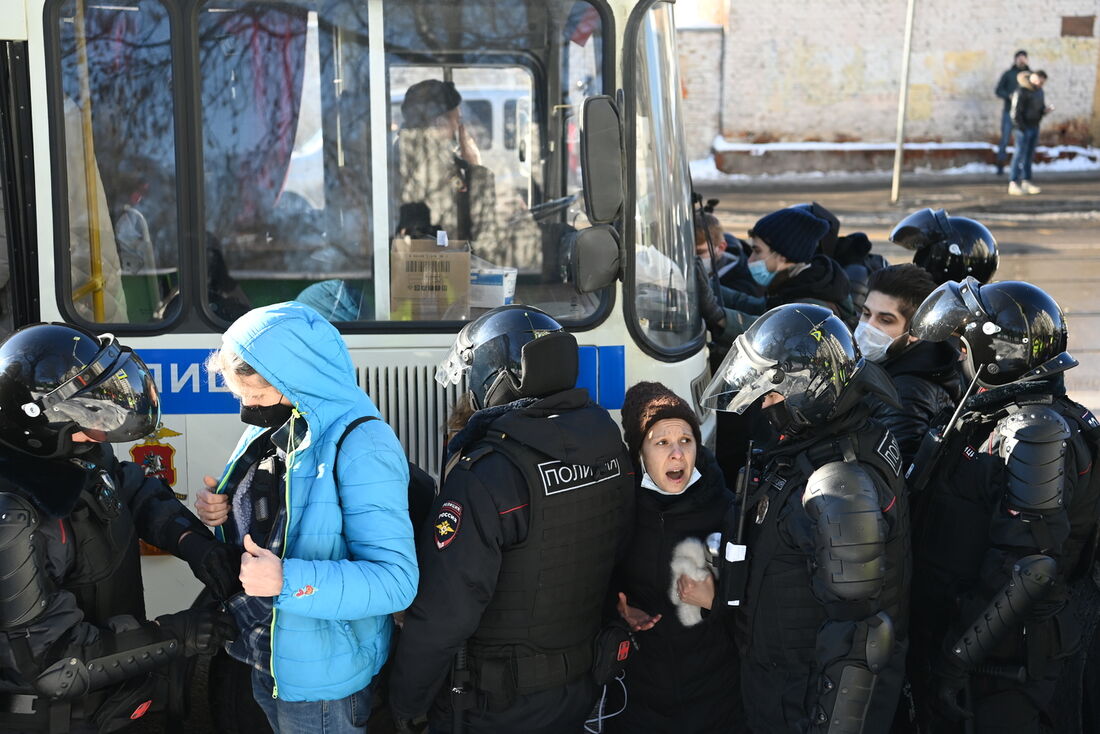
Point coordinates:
pixel 1005 87
pixel 1028 108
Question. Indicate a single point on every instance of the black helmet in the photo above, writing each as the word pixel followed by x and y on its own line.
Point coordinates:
pixel 56 380
pixel 511 352
pixel 1013 331
pixel 949 248
pixel 803 352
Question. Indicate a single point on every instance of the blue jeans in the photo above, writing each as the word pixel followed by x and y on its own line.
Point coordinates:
pixel 343 716
pixel 1025 151
pixel 1006 133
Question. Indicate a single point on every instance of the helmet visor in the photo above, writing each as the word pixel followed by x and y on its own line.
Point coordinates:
pixel 742 378
pixel 454 366
pixel 120 405
pixel 942 314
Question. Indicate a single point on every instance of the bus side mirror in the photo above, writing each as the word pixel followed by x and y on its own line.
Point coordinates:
pixel 602 155
pixel 592 258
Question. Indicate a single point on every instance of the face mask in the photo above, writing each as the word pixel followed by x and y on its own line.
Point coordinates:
pixel 265 416
pixel 648 483
pixel 708 265
pixel 873 342
pixel 758 269
pixel 779 417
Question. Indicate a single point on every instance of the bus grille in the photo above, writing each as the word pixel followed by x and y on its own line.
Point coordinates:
pixel 415 406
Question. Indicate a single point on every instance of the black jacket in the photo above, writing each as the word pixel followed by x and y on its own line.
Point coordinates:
pixel 1028 104
pixel 87 536
pixel 488 511
pixel 680 678
pixel 927 378
pixel 1007 84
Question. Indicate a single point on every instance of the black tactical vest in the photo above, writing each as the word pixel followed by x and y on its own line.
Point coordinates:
pixel 782 615
pixel 106 575
pixel 538 629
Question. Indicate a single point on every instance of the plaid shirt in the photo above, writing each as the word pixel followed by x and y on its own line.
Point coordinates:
pixel 253 614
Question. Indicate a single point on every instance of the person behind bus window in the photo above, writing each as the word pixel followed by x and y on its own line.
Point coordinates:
pixel 326 563
pixel 439 164
pixel 76 650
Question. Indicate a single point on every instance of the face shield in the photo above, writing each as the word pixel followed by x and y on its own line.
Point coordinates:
pixel 454 366
pixel 742 379
pixel 947 311
pixel 112 399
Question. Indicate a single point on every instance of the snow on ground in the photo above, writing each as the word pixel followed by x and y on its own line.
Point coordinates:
pixel 1062 158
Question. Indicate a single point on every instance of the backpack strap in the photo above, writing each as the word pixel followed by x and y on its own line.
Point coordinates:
pixel 340 441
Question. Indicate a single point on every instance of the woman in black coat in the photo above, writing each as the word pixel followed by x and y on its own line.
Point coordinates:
pixel 683 676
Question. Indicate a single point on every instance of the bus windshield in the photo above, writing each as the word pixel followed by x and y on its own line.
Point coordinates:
pixel 337 146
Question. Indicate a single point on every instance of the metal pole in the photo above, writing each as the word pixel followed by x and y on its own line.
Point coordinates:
pixel 903 100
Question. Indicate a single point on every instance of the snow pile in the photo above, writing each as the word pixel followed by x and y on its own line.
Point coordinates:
pixel 1054 158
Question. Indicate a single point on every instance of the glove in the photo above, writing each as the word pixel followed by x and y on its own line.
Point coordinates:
pixel 709 307
pixel 217 565
pixel 949 681
pixel 199 631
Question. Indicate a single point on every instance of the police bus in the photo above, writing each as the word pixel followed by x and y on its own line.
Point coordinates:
pixel 169 164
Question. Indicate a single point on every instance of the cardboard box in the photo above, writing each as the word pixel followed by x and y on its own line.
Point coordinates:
pixel 491 286
pixel 429 282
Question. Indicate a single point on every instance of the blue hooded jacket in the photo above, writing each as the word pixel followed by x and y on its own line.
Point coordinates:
pixel 348 560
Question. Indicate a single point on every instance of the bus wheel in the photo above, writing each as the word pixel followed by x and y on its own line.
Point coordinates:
pixel 232 707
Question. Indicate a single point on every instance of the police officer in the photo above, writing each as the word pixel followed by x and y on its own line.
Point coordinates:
pixel 1004 522
pixel 515 573
pixel 949 248
pixel 823 621
pixel 76 651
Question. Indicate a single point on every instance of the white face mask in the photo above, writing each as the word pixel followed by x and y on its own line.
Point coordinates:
pixel 648 483
pixel 708 265
pixel 873 342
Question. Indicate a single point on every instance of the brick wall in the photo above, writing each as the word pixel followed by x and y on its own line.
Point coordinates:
pixel 830 70
pixel 701 81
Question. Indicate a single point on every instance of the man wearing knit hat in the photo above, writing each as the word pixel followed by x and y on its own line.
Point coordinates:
pixel 786 264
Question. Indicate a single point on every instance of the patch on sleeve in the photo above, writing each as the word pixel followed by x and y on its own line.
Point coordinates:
pixel 447 523
pixel 1090 419
pixel 306 590
pixel 890 452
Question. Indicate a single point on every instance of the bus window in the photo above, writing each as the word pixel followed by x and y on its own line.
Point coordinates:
pixel 664 286
pixel 5 262
pixel 116 121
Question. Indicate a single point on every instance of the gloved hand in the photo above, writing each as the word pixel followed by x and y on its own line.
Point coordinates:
pixel 949 679
pixel 199 631
pixel 217 565
pixel 710 308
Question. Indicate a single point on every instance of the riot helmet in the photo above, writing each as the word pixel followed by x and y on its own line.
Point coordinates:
pixel 56 379
pixel 1012 331
pixel 949 248
pixel 509 353
pixel 801 351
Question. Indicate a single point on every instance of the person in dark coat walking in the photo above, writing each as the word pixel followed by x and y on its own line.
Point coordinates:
pixel 926 374
pixel 1028 107
pixel 684 675
pixel 1005 87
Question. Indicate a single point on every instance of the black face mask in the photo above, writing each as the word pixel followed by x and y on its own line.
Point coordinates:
pixel 779 418
pixel 265 416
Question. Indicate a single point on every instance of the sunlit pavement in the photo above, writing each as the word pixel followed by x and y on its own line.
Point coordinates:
pixel 1051 239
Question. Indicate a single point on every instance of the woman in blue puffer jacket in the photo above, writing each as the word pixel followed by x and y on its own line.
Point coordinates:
pixel 325 563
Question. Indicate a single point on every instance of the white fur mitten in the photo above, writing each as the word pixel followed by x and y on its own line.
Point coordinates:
pixel 689 558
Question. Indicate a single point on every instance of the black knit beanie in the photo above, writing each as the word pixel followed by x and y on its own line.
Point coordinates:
pixel 646 403
pixel 793 233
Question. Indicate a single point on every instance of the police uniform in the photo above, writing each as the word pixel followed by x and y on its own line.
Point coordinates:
pixel 73 596
pixel 1004 514
pixel 516 567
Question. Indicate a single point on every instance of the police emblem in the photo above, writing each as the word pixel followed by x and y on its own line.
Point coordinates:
pixel 447 523
pixel 156 458
pixel 761 510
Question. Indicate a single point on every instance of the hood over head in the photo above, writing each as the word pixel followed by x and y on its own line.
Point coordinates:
pixel 566 426
pixel 303 355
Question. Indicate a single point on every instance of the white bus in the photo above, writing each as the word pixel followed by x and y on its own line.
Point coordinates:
pixel 166 165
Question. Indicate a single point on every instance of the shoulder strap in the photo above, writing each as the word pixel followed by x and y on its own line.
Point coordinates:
pixel 340 441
